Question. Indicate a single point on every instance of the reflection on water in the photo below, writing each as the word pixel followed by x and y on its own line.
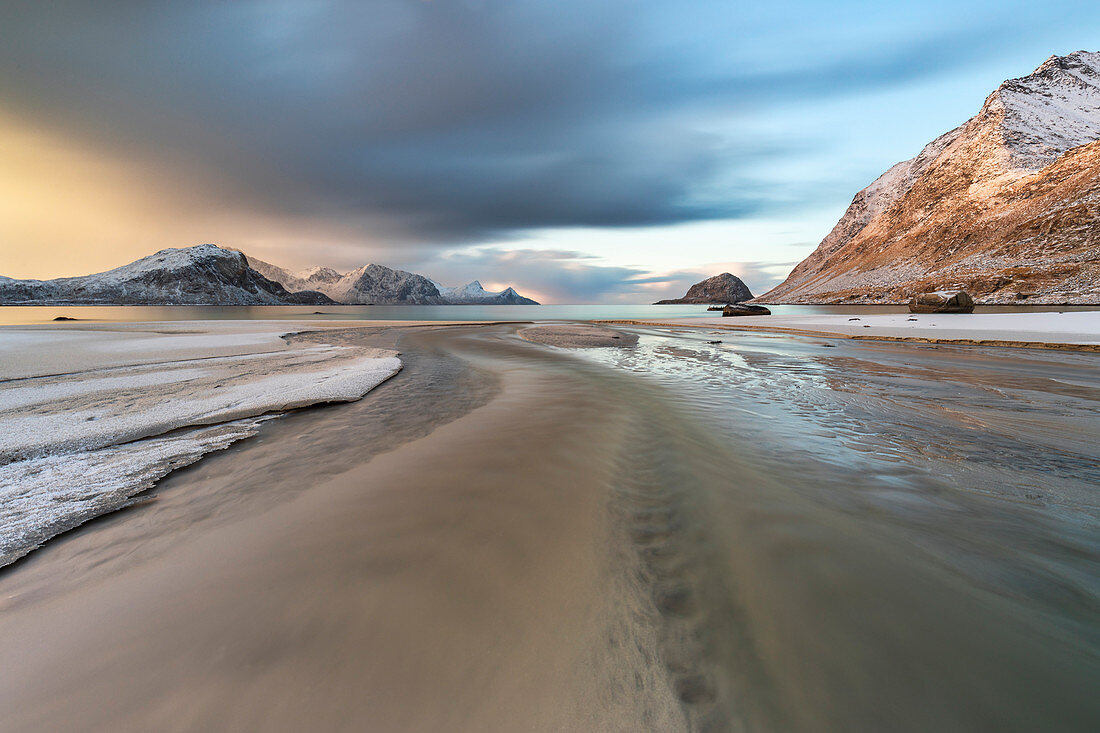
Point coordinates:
pixel 17 315
pixel 763 534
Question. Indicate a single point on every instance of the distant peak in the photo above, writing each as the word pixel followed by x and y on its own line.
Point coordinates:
pixel 320 274
pixel 182 255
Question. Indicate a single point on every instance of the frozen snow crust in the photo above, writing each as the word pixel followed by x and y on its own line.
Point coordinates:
pixel 91 418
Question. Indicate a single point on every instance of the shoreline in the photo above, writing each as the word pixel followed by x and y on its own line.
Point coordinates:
pixel 1068 331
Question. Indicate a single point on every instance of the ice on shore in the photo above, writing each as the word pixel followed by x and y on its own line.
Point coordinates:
pixel 43 497
pixel 80 443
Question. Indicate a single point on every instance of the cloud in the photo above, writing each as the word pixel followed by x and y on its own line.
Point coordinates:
pixel 565 276
pixel 450 122
pixel 548 275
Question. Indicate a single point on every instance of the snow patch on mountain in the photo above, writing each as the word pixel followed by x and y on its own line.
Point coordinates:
pixel 318 274
pixel 1052 110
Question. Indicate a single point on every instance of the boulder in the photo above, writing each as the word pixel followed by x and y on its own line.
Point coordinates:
pixel 744 309
pixel 942 301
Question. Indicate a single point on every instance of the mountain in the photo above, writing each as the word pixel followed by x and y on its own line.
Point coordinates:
pixel 724 288
pixel 202 275
pixel 210 275
pixel 1006 206
pixel 375 284
pixel 378 285
pixel 474 294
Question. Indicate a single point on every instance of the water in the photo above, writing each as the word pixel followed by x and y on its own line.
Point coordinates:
pixel 25 315
pixel 771 533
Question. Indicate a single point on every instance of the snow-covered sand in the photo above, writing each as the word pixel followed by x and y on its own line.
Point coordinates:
pixel 92 416
pixel 1072 329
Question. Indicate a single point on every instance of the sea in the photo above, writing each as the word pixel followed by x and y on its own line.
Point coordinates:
pixel 28 315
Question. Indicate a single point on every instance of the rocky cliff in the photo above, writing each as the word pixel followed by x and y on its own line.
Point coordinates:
pixel 724 288
pixel 1006 206
pixel 202 275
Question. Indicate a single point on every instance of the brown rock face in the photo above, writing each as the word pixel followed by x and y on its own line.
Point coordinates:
pixel 724 288
pixel 1006 206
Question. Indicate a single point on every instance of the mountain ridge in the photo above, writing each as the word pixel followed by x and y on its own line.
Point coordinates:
pixel 380 285
pixel 206 274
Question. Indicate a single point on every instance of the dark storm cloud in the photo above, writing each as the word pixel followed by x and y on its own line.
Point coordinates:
pixel 433 122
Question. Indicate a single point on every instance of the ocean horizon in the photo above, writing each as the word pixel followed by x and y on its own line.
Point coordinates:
pixel 16 315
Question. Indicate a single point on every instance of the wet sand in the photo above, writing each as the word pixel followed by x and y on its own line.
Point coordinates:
pixel 577 336
pixel 766 535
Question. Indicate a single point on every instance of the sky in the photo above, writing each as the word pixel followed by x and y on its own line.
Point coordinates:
pixel 583 152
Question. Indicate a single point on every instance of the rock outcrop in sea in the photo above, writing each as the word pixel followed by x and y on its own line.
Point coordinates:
pixel 745 309
pixel 724 288
pixel 202 275
pixel 1005 206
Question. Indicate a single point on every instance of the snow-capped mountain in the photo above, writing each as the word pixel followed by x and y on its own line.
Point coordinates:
pixel 202 275
pixel 378 285
pixel 210 275
pixel 1006 206
pixel 474 294
pixel 375 284
pixel 319 275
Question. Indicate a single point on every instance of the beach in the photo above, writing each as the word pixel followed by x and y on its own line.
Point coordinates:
pixel 706 530
pixel 1072 330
